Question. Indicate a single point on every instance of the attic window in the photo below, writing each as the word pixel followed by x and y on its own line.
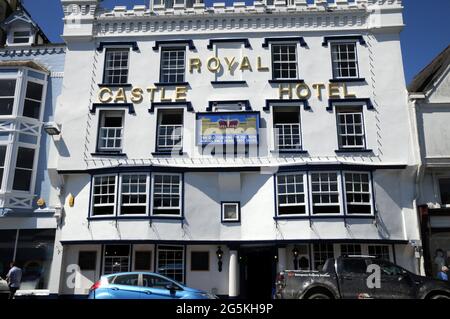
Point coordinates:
pixel 21 37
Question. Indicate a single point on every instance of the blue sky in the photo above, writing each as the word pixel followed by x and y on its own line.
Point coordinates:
pixel 427 30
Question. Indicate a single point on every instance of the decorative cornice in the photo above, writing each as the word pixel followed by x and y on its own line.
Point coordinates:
pixel 28 51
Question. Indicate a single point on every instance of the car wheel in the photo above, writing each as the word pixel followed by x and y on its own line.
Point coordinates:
pixel 319 295
pixel 440 296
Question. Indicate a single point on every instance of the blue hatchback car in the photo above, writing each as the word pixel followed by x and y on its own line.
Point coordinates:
pixel 143 285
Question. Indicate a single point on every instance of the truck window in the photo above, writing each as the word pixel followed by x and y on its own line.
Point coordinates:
pixel 389 269
pixel 356 266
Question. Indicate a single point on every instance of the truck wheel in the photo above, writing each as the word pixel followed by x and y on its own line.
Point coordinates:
pixel 319 295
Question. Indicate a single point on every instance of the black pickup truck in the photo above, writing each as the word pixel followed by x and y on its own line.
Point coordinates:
pixel 358 277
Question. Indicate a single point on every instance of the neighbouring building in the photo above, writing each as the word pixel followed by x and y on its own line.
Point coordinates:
pixel 31 71
pixel 217 145
pixel 429 95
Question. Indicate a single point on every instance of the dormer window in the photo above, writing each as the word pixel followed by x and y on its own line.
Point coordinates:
pixel 21 37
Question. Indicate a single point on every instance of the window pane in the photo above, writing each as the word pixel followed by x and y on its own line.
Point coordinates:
pixel 34 255
pixel 171 262
pixel 444 187
pixel 143 260
pixel 32 109
pixel 25 158
pixel 200 261
pixel 34 91
pixel 22 180
pixel 127 280
pixel 6 106
pixel 116 258
pixel 7 88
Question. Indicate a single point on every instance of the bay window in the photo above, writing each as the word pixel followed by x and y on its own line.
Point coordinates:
pixel 291 194
pixel 104 195
pixel 325 193
pixel 7 95
pixel 133 196
pixel 166 190
pixel 24 169
pixel 3 149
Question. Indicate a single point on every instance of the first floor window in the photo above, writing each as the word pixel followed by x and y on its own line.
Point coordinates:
pixel 143 260
pixel 170 130
pixel 344 59
pixel 110 131
pixel 24 169
pixel 350 128
pixel 33 100
pixel 171 262
pixel 321 253
pixel 379 251
pixel 350 249
pixel 116 66
pixel 167 194
pixel 284 61
pixel 444 188
pixel 358 195
pixel 325 193
pixel 3 149
pixel 291 194
pixel 133 196
pixel 116 259
pixel 200 260
pixel 104 195
pixel 286 122
pixel 7 93
pixel 172 64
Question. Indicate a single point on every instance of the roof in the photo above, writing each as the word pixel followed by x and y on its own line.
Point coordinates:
pixel 430 73
pixel 27 63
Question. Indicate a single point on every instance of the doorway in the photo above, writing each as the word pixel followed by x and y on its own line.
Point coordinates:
pixel 257 272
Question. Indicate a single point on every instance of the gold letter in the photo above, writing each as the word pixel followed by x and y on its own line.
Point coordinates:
pixel 195 63
pixel 120 96
pixel 282 91
pixel 217 66
pixel 229 63
pixel 101 95
pixel 260 67
pixel 180 93
pixel 245 64
pixel 318 87
pixel 303 87
pixel 136 95
pixel 333 91
pixel 346 93
pixel 163 95
pixel 152 90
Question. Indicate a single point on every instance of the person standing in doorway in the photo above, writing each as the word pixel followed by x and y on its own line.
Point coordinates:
pixel 14 277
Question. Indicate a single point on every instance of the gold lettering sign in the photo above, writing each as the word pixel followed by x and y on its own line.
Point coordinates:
pixel 213 64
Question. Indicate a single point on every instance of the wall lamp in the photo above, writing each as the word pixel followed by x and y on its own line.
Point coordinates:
pixel 219 254
pixel 52 128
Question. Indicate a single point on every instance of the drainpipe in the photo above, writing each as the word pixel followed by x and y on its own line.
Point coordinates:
pixel 413 98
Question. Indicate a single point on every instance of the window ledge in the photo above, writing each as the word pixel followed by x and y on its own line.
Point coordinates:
pixel 348 80
pixel 289 152
pixel 102 85
pixel 305 217
pixel 172 84
pixel 353 150
pixel 286 81
pixel 228 82
pixel 108 154
pixel 163 153
pixel 135 217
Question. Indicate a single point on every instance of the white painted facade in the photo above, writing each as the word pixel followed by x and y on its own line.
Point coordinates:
pixel 207 180
pixel 430 106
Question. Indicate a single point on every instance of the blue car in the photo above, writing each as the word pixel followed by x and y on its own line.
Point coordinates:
pixel 143 285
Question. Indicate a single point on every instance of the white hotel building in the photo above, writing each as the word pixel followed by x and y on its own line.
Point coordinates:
pixel 309 98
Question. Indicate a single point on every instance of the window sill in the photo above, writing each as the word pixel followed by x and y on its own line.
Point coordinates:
pixel 231 221
pixel 286 81
pixel 172 84
pixel 289 152
pixel 135 217
pixel 108 154
pixel 228 82
pixel 347 80
pixel 305 217
pixel 102 85
pixel 168 153
pixel 353 150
